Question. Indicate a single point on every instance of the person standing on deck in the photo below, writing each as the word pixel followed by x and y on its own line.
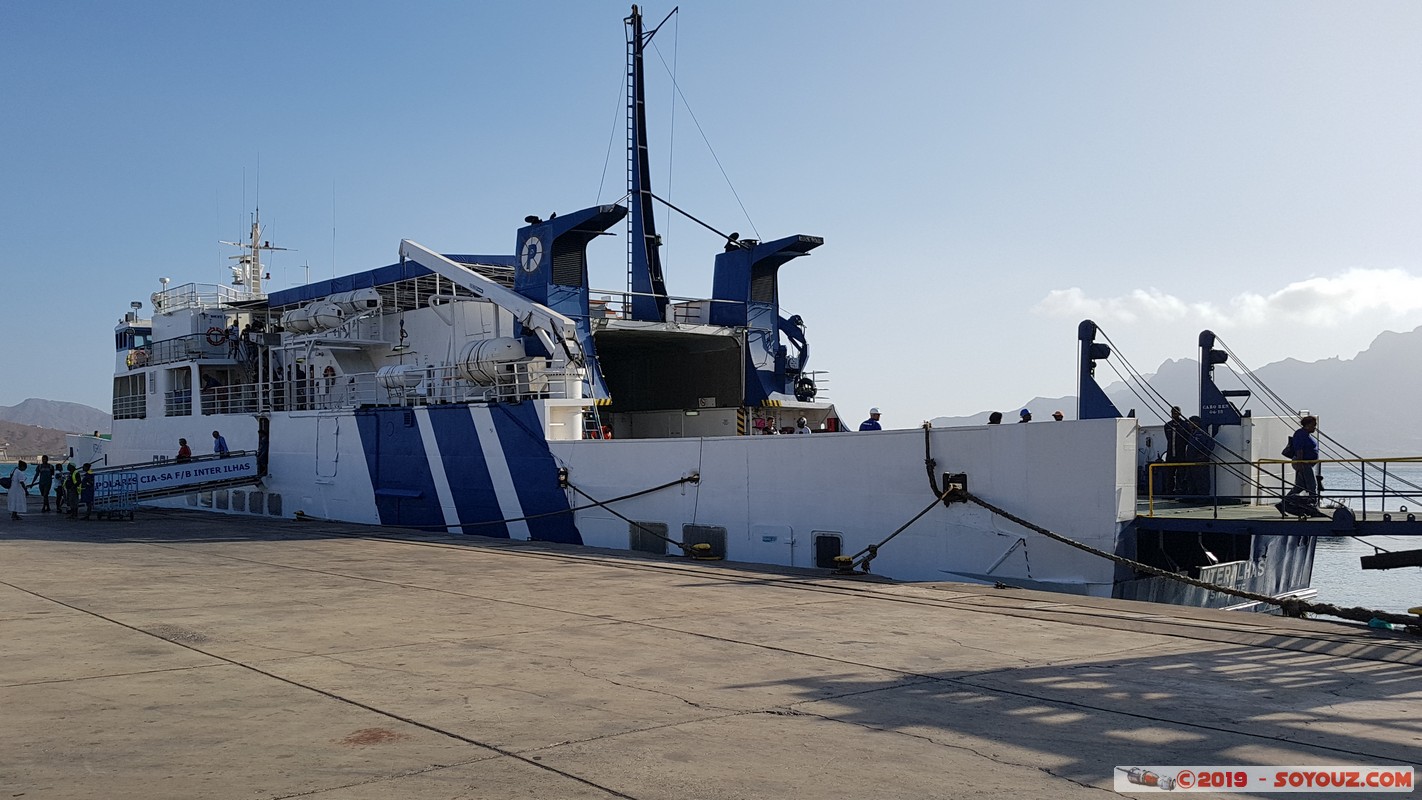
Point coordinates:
pixel 1177 443
pixel 19 491
pixel 1305 460
pixel 219 444
pixel 44 476
pixel 871 424
pixel 185 453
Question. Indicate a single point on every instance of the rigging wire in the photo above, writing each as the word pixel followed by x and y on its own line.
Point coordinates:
pixel 1162 406
pixel 1160 402
pixel 704 138
pixel 1328 444
pixel 1130 384
pixel 617 111
pixel 671 127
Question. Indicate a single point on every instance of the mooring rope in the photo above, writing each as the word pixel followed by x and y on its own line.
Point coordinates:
pixel 870 551
pixel 1292 607
pixel 300 516
pixel 685 548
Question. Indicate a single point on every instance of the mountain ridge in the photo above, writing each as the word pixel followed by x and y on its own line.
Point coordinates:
pixel 59 415
pixel 1354 398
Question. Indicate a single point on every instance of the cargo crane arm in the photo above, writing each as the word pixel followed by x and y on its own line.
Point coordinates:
pixel 545 323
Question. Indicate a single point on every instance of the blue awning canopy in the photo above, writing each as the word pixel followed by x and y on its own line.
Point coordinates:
pixel 381 276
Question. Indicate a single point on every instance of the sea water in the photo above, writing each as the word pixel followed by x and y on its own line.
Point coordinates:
pixel 1337 574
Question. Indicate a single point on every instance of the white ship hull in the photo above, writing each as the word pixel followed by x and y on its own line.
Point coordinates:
pixel 454 467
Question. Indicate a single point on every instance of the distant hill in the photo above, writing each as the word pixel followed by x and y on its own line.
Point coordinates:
pixel 28 441
pixel 1369 403
pixel 57 415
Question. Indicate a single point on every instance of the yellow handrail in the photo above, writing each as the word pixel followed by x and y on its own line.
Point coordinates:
pixel 1267 462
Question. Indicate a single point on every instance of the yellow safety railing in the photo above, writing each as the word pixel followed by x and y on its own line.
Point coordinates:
pixel 1362 485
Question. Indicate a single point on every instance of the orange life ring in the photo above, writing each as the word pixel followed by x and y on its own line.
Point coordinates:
pixel 216 336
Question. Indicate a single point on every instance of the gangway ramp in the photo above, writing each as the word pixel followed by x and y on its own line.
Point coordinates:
pixel 170 478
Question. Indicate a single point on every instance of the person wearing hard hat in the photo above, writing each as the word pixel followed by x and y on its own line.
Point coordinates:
pixel 1025 416
pixel 802 425
pixel 871 424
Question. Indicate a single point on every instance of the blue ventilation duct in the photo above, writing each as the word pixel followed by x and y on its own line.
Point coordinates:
pixel 746 293
pixel 551 267
pixel 1091 399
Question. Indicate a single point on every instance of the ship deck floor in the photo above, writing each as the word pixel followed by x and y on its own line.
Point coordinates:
pixel 199 655
pixel 1249 518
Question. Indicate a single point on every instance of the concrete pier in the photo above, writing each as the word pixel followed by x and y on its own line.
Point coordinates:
pixel 187 655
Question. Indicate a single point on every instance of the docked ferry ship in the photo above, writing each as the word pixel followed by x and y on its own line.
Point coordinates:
pixel 501 395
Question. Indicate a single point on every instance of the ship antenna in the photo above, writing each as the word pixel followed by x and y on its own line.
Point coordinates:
pixel 248 271
pixel 644 266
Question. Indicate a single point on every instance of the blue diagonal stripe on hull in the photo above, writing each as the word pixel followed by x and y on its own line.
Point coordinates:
pixel 469 483
pixel 535 473
pixel 399 469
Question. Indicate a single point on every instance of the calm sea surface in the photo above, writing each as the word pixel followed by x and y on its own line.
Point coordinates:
pixel 1337 575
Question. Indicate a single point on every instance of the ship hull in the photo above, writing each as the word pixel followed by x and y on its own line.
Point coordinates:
pixel 493 470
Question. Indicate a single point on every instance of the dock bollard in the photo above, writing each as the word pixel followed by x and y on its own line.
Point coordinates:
pixel 701 551
pixel 844 565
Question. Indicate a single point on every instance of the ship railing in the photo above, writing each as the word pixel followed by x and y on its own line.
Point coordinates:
pixel 238 399
pixel 192 347
pixel 820 377
pixel 129 406
pixel 178 403
pixel 614 304
pixel 1370 487
pixel 417 386
pixel 198 295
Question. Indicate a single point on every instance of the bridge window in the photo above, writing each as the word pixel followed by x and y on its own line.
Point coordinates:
pixel 132 338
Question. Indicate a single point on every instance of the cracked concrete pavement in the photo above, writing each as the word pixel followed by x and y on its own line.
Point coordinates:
pixel 201 656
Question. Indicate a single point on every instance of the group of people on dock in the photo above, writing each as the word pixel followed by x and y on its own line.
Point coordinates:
pixel 72 487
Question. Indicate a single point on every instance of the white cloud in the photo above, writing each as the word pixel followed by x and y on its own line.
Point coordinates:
pixel 1381 294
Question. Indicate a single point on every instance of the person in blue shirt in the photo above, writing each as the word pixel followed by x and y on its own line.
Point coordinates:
pixel 1305 460
pixel 871 424
pixel 219 444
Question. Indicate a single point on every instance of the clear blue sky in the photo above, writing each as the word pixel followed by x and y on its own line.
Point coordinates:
pixel 985 174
